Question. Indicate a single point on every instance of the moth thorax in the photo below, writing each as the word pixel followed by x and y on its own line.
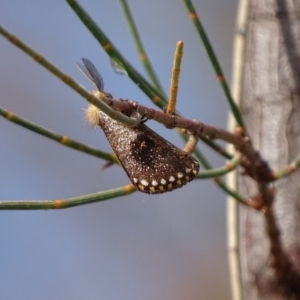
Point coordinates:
pixel 100 94
pixel 92 115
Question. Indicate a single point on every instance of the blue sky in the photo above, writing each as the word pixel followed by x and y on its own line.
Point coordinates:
pixel 171 246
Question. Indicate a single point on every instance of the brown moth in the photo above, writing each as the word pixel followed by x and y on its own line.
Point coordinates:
pixel 152 164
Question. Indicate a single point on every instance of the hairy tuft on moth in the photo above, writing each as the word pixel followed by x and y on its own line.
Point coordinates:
pixel 92 116
pixel 152 164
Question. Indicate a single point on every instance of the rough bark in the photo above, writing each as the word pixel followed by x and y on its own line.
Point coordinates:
pixel 270 104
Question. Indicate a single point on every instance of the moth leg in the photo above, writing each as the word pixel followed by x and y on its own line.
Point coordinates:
pixel 143 119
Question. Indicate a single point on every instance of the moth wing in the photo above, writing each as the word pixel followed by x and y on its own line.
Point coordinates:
pixel 153 164
pixel 91 72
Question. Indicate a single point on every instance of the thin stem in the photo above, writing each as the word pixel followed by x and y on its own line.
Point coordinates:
pixel 90 97
pixel 229 191
pixel 289 169
pixel 213 58
pixel 112 51
pixel 66 203
pixel 218 181
pixel 231 165
pixel 232 206
pixel 175 78
pixel 61 139
pixel 140 48
pixel 218 149
pixel 191 144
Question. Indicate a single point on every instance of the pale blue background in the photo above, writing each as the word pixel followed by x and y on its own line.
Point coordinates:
pixel 171 246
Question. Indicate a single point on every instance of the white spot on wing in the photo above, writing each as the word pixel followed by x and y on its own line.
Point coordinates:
pixel 171 179
pixel 144 182
pixel 154 182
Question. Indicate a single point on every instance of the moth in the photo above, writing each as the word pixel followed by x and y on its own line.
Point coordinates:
pixel 152 164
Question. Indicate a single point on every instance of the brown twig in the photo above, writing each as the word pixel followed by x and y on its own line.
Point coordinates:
pixel 252 162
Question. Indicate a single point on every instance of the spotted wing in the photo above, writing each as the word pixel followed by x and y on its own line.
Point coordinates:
pixel 153 164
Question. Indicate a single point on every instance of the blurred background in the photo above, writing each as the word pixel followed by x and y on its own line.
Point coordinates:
pixel 170 246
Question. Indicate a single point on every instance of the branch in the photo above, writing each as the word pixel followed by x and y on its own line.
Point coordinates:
pixel 66 203
pixel 61 139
